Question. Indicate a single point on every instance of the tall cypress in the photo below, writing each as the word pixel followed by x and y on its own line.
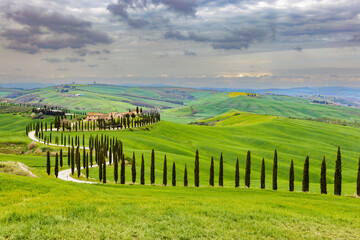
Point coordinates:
pixel 48 162
pixel 262 177
pixel 165 172
pixel 185 177
pixel 358 180
pixel 237 173
pixel 152 167
pixel 305 181
pixel 221 171
pixel 196 169
pixel 56 165
pixel 173 175
pixel 291 176
pixel 338 177
pixel 69 156
pixel 104 169
pixel 323 184
pixel 116 167
pixel 248 169
pixel 78 164
pixel 84 157
pixel 211 180
pixel 122 170
pixel 87 166
pixel 275 168
pixel 133 169
pixel 72 163
pixel 61 157
pixel 142 177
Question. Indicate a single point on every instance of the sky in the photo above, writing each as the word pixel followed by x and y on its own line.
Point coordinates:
pixel 192 43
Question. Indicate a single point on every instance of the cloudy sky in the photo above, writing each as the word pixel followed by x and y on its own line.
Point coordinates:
pixel 214 43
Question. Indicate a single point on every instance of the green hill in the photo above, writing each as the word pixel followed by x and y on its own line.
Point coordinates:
pixel 221 103
pixel 107 98
pixel 236 133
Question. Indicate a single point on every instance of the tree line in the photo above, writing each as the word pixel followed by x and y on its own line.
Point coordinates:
pixel 62 123
pixel 103 150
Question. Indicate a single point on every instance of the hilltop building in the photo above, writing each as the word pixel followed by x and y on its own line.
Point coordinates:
pixel 93 116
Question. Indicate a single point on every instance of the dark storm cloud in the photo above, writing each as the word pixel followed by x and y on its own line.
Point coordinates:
pixel 42 29
pixel 236 39
pixel 121 9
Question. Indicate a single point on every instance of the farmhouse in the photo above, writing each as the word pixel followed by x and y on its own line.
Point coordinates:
pixel 91 116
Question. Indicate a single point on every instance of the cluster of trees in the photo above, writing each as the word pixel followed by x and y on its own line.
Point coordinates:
pixel 65 124
pixel 112 149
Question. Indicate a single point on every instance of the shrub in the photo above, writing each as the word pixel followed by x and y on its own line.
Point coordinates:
pixel 32 145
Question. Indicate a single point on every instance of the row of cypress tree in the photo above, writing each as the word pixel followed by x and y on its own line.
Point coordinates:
pixel 115 154
pixel 60 122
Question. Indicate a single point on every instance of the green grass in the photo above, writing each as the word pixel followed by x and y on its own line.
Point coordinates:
pixel 12 127
pixel 270 105
pixel 49 208
pixel 46 207
pixel 294 139
pixel 107 98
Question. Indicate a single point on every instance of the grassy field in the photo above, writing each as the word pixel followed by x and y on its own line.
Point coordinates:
pixel 44 207
pixel 233 135
pixel 49 208
pixel 221 103
pixel 108 98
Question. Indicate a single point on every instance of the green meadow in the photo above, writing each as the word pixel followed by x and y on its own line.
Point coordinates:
pixel 233 136
pixel 48 208
pixel 286 106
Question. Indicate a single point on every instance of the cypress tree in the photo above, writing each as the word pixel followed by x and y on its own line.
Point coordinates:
pixel 56 165
pixel 262 177
pixel 305 181
pixel 165 172
pixel 122 170
pixel 196 169
pixel 358 180
pixel 152 167
pixel 99 157
pixel 211 180
pixel 133 169
pixel 338 177
pixel 185 177
pixel 78 165
pixel 221 171
pixel 61 157
pixel 72 162
pixel 323 184
pixel 237 173
pixel 142 177
pixel 275 168
pixel 104 169
pixel 84 156
pixel 248 169
pixel 173 175
pixel 291 176
pixel 87 166
pixel 116 167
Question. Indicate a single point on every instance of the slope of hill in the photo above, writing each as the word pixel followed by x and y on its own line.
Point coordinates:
pixel 267 104
pixel 107 98
pixel 294 139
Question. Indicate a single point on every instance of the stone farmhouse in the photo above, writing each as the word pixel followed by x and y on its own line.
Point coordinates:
pixel 93 116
